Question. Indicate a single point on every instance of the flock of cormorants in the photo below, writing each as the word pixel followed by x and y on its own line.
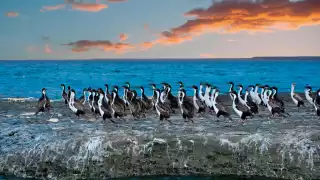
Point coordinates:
pixel 109 105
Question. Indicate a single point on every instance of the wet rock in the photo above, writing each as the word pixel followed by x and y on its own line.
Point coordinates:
pixel 77 149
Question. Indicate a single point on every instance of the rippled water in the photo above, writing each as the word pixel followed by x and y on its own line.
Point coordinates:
pixel 26 78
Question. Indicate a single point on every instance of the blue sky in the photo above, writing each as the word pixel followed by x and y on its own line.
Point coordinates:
pixel 224 29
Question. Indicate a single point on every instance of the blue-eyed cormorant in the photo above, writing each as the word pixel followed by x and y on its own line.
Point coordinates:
pixel 104 108
pixel 243 114
pixel 186 106
pixel 146 102
pixel 117 105
pixel 75 105
pixel 276 99
pixel 83 98
pixel 43 102
pixel 309 95
pixel 219 108
pixel 198 104
pixel 252 106
pixel 162 110
pixel 64 94
pixel 297 100
pixel 135 105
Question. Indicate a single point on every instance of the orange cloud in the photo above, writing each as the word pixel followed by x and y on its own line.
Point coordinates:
pixel 123 37
pixel 86 45
pixel 52 8
pixel 12 14
pixel 88 7
pixel 229 16
pixel 207 55
pixel 146 45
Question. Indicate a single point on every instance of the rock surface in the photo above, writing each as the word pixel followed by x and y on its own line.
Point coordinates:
pixel 57 145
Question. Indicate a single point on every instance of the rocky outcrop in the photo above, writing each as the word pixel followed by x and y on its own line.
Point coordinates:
pixel 71 148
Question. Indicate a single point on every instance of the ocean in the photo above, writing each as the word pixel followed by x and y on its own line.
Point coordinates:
pixel 27 78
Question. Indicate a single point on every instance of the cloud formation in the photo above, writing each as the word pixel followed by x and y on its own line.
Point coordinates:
pixel 123 37
pixel 12 14
pixel 86 45
pixel 231 16
pixel 88 7
pixel 52 8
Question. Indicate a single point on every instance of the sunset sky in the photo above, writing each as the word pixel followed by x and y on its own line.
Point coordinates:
pixel 75 29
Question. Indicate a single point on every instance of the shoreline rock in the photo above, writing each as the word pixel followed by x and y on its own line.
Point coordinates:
pixel 77 148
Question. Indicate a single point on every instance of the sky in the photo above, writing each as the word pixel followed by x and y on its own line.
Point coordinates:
pixel 91 29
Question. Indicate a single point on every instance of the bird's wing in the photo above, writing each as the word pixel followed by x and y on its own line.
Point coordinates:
pixel 273 103
pixel 163 109
pixel 200 103
pixel 298 97
pixel 78 105
pixel 129 95
pixel 221 107
pixel 65 96
pixel 188 107
pixel 81 99
pixel 118 107
pixel 242 108
pixel 41 102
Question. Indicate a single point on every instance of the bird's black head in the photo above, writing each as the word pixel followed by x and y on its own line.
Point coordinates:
pixel 240 85
pixel 69 87
pixel 164 83
pixel 251 86
pixel 142 88
pixel 43 89
pixel 101 93
pixel 106 85
pixel 275 88
pixel 134 92
pixel 127 84
pixel 194 87
pixel 157 90
pixel 180 83
pixel 62 85
pixel 230 82
pixel 100 90
pixel 266 87
pixel 115 87
pixel 309 88
pixel 153 86
pixel 72 90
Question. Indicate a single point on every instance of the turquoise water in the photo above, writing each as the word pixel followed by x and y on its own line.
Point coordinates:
pixel 26 78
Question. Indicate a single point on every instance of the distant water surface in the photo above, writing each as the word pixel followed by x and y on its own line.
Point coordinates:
pixel 26 78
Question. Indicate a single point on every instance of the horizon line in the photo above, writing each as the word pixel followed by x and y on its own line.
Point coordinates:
pixel 168 58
